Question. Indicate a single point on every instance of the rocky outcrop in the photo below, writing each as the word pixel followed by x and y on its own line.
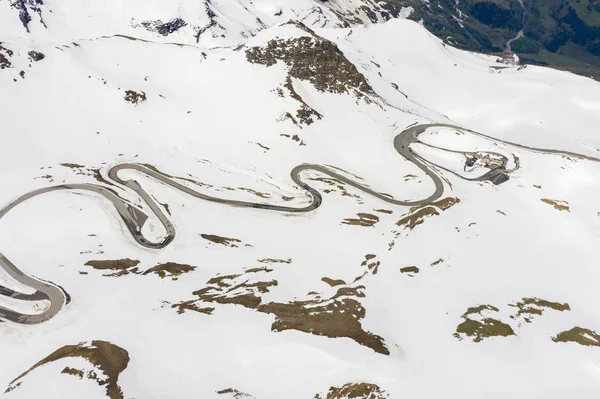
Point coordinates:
pixel 313 59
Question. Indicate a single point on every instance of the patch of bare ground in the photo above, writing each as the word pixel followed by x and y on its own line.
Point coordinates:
pixel 5 54
pixel 338 184
pixel 582 336
pixel 371 264
pixel 74 372
pixel 228 242
pixel 559 205
pixel 360 390
pixel 529 308
pixel 411 270
pixel 478 327
pixel 294 137
pixel 386 211
pixel 333 282
pixel 418 214
pixel 416 218
pixel 187 179
pixel 316 60
pixel 106 357
pixel 235 394
pixel 271 260
pixel 191 305
pixel 134 97
pixel 364 220
pixel 121 267
pixel 85 171
pixel 437 262
pixel 336 317
pixel 170 269
pixel 306 115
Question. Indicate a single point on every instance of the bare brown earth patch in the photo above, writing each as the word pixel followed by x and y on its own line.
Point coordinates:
pixel 386 211
pixel 371 264
pixel 478 327
pixel 74 372
pixel 228 242
pixel 409 269
pixel 338 184
pixel 416 218
pixel 121 267
pixel 170 269
pixel 437 262
pixel 361 390
pixel 235 394
pixel 364 219
pixel 333 282
pixel 108 358
pixel 335 317
pixel 85 171
pixel 271 260
pixel 191 305
pixel 529 308
pixel 582 336
pixel 559 205
pixel 418 214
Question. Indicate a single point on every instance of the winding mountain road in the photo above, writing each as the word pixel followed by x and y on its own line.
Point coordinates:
pixel 134 218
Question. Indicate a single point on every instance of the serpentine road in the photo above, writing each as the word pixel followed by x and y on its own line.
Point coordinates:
pixel 134 218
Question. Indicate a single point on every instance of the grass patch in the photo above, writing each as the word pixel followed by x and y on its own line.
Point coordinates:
pixel 582 336
pixel 487 327
pixel 559 205
pixel 364 219
pixel 333 282
pixel 107 357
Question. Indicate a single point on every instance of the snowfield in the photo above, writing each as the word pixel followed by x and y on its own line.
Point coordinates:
pixel 464 298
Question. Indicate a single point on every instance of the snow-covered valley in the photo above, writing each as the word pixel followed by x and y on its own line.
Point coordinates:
pixel 489 290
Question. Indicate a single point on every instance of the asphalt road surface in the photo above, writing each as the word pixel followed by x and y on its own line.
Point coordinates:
pixel 134 218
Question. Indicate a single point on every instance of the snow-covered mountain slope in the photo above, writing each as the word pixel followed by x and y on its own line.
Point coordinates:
pixel 491 291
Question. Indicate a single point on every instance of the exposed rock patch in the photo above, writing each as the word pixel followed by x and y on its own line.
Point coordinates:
pixel 313 59
pixel 134 97
pixel 360 390
pixel 235 394
pixel 5 54
pixel 164 28
pixel 36 55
